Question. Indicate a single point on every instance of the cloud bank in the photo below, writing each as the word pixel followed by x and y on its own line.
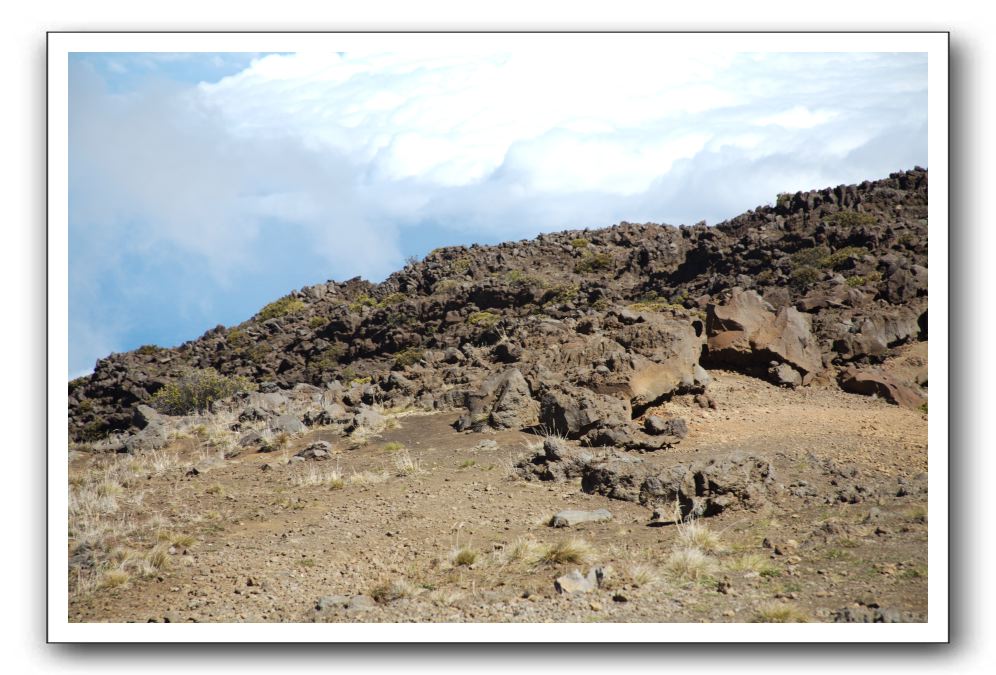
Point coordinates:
pixel 195 197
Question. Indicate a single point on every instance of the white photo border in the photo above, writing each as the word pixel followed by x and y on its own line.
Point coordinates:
pixel 61 44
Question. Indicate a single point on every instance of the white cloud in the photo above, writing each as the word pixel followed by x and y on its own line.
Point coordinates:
pixel 798 117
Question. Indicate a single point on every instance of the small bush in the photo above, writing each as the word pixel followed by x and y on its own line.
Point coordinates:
pixel 484 319
pixel 803 277
pixel 580 242
pixel 560 293
pixel 362 301
pixel 593 262
pixel 408 357
pixel 236 337
pixel 834 260
pixel 809 257
pixel 197 390
pixel 851 219
pixel 317 321
pixel 148 350
pixel 282 307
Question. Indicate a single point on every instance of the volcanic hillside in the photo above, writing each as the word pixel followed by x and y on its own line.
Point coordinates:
pixel 822 285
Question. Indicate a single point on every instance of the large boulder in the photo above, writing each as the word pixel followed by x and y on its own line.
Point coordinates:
pixel 746 332
pixel 874 382
pixel 571 411
pixel 874 333
pixel 705 488
pixel 503 401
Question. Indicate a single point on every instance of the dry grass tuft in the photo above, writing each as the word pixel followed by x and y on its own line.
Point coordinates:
pixel 391 590
pixel 567 551
pixel 643 575
pixel 405 465
pixel 113 578
pixel 694 534
pixel 776 612
pixel 690 564
pixel 464 556
pixel 314 475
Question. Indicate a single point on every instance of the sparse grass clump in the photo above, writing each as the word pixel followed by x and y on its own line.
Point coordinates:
pixel 405 465
pixel 317 321
pixel 215 489
pixel 394 446
pixel 776 612
pixel 197 390
pixel 579 242
pixel 312 475
pixel 282 307
pixel 567 551
pixel 755 563
pixel 176 539
pixel 522 550
pixel 368 477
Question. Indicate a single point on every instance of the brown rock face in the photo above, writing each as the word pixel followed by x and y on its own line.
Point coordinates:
pixel 873 382
pixel 746 332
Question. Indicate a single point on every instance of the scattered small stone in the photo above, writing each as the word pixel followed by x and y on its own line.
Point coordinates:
pixel 574 582
pixel 570 517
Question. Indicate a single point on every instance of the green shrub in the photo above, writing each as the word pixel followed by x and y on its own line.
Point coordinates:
pixel 842 255
pixel 328 359
pixel 485 319
pixel 148 350
pixel 851 219
pixel 520 278
pixel 580 242
pixel 809 257
pixel 803 277
pixel 444 285
pixel 282 307
pixel 560 293
pixel 408 357
pixel 362 301
pixel 460 265
pixel 236 337
pixel 593 262
pixel 317 321
pixel 783 199
pixel 197 390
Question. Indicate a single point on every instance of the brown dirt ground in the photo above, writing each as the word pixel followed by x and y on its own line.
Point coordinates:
pixel 266 549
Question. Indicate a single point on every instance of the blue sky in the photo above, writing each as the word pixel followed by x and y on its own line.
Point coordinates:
pixel 203 186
